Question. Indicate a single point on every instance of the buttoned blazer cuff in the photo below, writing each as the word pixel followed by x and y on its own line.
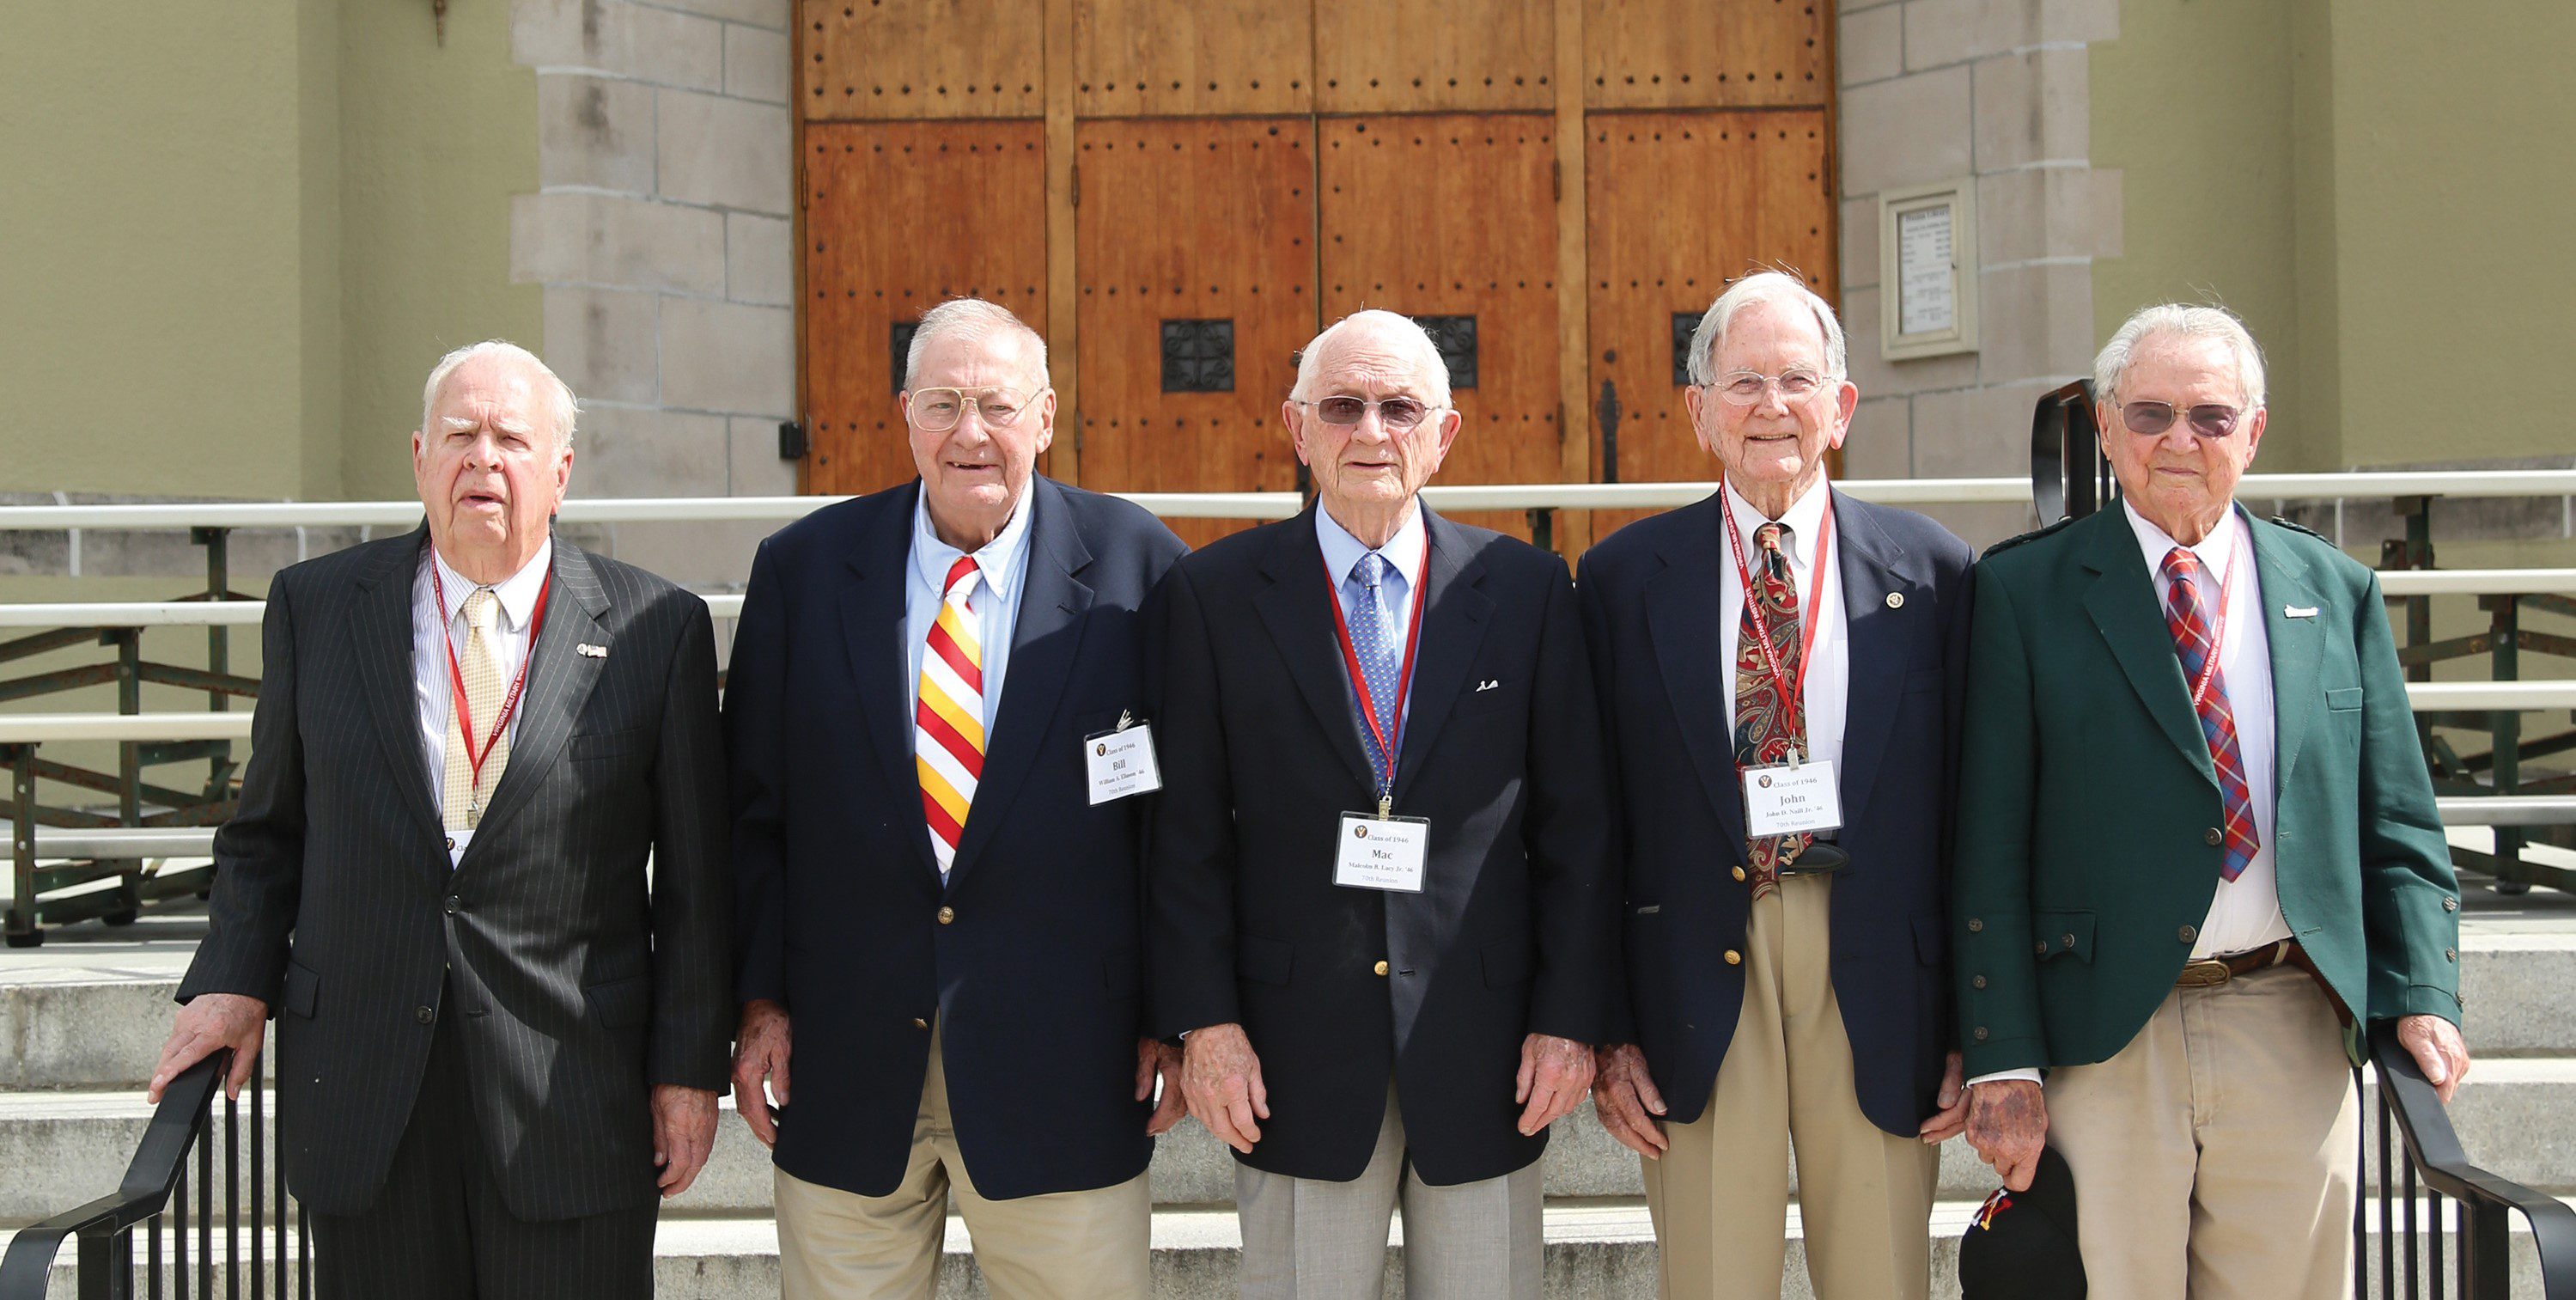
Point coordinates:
pixel 1997 1055
pixel 693 1067
pixel 2424 1000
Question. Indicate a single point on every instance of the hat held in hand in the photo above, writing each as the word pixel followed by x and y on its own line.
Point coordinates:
pixel 2022 1245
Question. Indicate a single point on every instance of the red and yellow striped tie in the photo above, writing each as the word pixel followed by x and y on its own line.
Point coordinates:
pixel 948 723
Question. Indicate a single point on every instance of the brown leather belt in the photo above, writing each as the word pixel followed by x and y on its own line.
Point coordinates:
pixel 2210 972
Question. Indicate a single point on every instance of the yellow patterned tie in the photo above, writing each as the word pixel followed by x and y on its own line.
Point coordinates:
pixel 948 722
pixel 465 797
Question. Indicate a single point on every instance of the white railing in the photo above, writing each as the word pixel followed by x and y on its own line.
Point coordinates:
pixel 1272 505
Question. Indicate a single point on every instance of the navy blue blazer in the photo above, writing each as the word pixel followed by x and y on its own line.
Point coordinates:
pixel 1342 989
pixel 1652 598
pixel 1029 960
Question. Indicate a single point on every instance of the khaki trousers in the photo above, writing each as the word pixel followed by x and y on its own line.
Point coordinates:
pixel 2215 1156
pixel 836 1245
pixel 1309 1239
pixel 1719 1196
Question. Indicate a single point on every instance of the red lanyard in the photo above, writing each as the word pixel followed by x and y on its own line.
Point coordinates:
pixel 2217 629
pixel 1404 678
pixel 456 679
pixel 1815 603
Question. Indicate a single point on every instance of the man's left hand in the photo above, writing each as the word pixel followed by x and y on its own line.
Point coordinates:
pixel 1953 1119
pixel 1555 1077
pixel 684 1131
pixel 2438 1050
pixel 1155 1057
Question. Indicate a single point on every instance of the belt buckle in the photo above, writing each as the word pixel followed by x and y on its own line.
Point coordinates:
pixel 2206 973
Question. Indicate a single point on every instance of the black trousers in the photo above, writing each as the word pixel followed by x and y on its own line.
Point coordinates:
pixel 439 1230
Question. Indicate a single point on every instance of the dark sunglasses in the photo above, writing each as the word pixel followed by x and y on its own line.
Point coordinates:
pixel 2151 419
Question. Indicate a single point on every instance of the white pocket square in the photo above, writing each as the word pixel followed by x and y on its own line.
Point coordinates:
pixel 589 651
pixel 2298 611
pixel 1488 684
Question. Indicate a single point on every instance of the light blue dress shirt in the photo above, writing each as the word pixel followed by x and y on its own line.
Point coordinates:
pixel 995 602
pixel 1406 554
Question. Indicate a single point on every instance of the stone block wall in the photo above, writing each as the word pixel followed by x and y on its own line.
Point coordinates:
pixel 1995 89
pixel 660 232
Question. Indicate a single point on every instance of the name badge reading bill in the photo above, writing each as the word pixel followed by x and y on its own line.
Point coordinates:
pixel 1791 800
pixel 1121 762
pixel 1382 852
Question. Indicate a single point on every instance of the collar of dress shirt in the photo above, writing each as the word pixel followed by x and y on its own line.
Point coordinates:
pixel 2216 551
pixel 518 592
pixel 998 558
pixel 1805 520
pixel 1408 550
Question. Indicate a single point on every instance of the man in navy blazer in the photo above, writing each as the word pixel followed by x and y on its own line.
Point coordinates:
pixel 938 907
pixel 1768 653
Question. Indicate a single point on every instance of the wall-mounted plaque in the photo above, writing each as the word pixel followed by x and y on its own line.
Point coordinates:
pixel 1927 260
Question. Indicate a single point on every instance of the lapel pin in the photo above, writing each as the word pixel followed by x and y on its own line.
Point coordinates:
pixel 589 651
pixel 1896 600
pixel 2298 611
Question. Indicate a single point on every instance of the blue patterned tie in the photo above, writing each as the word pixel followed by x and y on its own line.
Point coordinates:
pixel 1373 638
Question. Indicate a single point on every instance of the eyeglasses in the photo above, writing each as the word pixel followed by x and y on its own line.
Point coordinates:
pixel 1396 414
pixel 937 410
pixel 2151 419
pixel 1745 387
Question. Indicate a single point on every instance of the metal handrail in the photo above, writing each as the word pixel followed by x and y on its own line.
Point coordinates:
pixel 1274 505
pixel 2434 1154
pixel 178 1124
pixel 247 613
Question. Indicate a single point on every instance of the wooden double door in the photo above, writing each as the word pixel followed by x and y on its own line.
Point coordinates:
pixel 1178 195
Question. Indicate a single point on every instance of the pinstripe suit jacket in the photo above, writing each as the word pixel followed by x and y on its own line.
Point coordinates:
pixel 581 980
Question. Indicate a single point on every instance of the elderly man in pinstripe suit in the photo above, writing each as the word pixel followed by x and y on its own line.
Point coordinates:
pixel 499 1033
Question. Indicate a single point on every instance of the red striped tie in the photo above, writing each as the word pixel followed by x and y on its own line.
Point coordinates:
pixel 948 723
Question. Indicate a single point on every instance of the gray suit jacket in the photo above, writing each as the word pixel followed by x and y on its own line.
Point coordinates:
pixel 581 981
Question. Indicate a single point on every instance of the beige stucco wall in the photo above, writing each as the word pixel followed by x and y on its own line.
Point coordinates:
pixel 2380 187
pixel 239 233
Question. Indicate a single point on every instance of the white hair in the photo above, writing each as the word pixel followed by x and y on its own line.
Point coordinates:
pixel 969 320
pixel 1406 335
pixel 561 409
pixel 2174 320
pixel 1761 287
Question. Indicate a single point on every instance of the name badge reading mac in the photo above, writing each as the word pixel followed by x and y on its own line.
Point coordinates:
pixel 1121 762
pixel 1791 800
pixel 1382 852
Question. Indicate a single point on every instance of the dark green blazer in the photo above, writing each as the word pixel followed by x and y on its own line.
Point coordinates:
pixel 2086 857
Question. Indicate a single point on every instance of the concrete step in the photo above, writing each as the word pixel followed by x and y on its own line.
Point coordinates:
pixel 71 1018
pixel 1596 1250
pixel 2517 1116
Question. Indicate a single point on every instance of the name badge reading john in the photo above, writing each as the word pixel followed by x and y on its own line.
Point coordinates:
pixel 1382 852
pixel 1791 800
pixel 1121 762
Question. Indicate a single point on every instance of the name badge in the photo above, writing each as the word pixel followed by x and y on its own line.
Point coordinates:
pixel 1791 800
pixel 1121 762
pixel 1382 852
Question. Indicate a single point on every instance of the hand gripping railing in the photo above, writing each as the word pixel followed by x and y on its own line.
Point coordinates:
pixel 257 1254
pixel 2466 1212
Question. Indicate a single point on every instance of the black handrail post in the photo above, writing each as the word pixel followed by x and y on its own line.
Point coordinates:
pixel 219 657
pixel 2505 743
pixel 21 925
pixel 2485 1251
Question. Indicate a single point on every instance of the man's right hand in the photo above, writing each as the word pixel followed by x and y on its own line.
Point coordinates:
pixel 208 1022
pixel 2008 1124
pixel 760 1056
pixel 1624 1098
pixel 1222 1079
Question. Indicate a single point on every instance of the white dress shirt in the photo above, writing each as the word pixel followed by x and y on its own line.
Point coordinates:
pixel 1827 688
pixel 995 601
pixel 1405 554
pixel 433 690
pixel 2246 913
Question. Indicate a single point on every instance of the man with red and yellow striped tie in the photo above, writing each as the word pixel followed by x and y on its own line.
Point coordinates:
pixel 936 853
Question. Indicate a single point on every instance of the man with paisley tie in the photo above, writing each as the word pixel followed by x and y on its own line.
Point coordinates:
pixel 938 881
pixel 2197 851
pixel 1780 672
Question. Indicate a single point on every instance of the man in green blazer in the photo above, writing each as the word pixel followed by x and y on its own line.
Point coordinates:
pixel 2196 840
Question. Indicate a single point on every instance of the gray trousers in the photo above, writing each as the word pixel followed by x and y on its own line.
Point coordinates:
pixel 1309 1239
